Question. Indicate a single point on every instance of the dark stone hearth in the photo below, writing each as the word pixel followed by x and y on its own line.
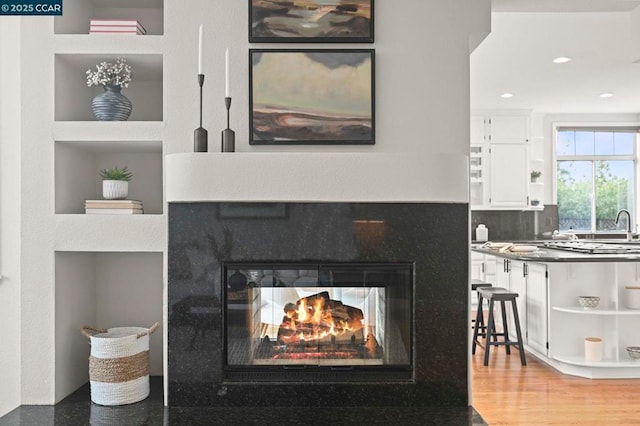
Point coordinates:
pixel 432 236
pixel 77 409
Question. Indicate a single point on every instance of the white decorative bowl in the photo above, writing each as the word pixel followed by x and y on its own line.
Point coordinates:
pixel 634 352
pixel 589 302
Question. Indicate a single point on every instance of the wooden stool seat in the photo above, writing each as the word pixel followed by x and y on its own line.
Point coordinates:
pixel 502 295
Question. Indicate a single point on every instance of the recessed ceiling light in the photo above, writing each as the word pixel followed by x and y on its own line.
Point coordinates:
pixel 561 60
pixel 606 95
pixel 506 95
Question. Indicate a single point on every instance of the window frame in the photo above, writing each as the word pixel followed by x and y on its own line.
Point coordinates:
pixel 635 157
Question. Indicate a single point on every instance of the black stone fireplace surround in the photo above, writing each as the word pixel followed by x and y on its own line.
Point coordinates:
pixel 204 236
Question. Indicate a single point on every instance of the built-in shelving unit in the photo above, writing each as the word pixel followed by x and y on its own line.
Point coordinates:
pixel 610 320
pixel 478 159
pixel 108 268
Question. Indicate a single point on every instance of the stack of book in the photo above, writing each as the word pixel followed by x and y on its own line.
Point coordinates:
pixel 116 26
pixel 113 207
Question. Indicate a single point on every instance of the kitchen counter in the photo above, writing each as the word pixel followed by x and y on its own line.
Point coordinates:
pixel 549 283
pixel 545 254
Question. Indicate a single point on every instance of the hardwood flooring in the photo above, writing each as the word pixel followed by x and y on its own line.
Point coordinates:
pixel 508 393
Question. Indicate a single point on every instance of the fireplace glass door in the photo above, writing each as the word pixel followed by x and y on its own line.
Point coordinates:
pixel 319 319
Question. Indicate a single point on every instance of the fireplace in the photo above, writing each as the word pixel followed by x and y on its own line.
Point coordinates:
pixel 317 304
pixel 325 322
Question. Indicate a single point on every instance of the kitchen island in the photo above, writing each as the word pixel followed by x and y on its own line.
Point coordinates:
pixel 549 281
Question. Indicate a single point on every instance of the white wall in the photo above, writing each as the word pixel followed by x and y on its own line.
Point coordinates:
pixel 9 215
pixel 422 108
pixel 422 75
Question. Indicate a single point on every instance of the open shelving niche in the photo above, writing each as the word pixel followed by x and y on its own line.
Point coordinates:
pixel 78 163
pixel 78 13
pixel 73 97
pixel 103 290
pixel 611 320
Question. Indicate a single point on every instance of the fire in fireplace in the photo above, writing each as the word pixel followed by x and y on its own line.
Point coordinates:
pixel 321 320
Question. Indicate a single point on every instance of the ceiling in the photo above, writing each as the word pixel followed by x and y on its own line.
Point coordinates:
pixel 601 36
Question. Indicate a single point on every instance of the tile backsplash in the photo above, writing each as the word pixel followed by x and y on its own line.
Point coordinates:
pixel 516 225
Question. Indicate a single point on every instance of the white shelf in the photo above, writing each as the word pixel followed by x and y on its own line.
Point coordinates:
pixel 108 44
pixel 110 233
pixel 605 363
pixel 596 311
pixel 108 130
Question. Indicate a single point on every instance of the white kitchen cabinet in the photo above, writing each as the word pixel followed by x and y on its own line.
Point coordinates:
pixel 529 280
pixel 499 161
pixel 508 129
pixel 536 310
pixel 478 130
pixel 483 268
pixel 509 176
pixel 517 284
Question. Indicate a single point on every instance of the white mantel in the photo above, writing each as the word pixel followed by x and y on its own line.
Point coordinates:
pixel 316 176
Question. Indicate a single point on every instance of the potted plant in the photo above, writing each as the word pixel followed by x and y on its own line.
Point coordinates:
pixel 111 105
pixel 115 183
pixel 535 174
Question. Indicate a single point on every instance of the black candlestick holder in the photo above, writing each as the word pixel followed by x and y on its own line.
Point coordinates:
pixel 200 135
pixel 228 135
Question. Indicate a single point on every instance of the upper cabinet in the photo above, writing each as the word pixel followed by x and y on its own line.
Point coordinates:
pixel 509 176
pixel 499 161
pixel 509 129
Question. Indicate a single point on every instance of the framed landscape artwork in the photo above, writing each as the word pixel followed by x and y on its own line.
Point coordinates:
pixel 311 96
pixel 311 21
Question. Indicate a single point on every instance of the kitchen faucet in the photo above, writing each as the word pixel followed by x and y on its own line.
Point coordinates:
pixel 628 222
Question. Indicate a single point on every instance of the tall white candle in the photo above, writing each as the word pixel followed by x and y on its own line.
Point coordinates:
pixel 226 73
pixel 200 50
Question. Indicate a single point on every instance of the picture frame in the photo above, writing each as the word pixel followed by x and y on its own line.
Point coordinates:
pixel 309 21
pixel 311 96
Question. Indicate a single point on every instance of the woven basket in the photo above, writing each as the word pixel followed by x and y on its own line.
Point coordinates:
pixel 119 364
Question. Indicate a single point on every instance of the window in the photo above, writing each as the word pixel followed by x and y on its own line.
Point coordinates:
pixel 595 177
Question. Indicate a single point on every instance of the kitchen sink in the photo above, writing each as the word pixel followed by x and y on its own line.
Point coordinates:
pixel 595 246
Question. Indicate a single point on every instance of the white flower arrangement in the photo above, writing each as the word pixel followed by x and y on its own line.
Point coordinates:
pixel 106 73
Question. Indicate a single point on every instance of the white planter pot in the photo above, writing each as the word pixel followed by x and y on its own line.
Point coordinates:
pixel 115 189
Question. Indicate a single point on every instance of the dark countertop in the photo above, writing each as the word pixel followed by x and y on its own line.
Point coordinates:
pixel 544 254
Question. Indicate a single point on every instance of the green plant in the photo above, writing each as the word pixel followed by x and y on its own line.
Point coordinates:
pixel 535 174
pixel 116 173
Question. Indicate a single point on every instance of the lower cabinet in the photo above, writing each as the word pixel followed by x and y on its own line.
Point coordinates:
pixel 554 326
pixel 537 312
pixel 530 281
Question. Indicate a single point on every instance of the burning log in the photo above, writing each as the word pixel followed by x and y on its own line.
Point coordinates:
pixel 316 319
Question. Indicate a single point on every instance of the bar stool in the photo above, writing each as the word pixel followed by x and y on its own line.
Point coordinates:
pixel 501 295
pixel 479 323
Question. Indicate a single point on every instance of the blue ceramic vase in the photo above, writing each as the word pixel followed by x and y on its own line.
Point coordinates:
pixel 111 105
